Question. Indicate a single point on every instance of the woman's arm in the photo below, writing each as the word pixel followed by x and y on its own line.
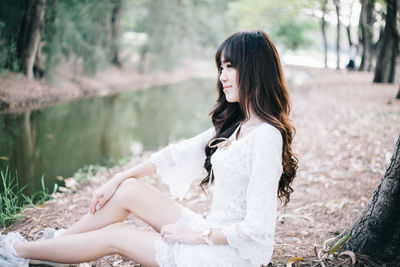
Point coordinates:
pixel 216 236
pixel 145 168
pixel 185 235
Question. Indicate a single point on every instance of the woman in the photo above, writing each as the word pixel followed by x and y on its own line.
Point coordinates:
pixel 247 155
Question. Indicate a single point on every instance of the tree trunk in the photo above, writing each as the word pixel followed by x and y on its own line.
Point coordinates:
pixel 31 34
pixel 115 31
pixel 323 29
pixel 366 26
pixel 376 233
pixel 398 77
pixel 348 32
pixel 337 7
pixel 386 63
pixel 348 27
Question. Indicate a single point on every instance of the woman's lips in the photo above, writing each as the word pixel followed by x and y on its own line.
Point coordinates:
pixel 226 88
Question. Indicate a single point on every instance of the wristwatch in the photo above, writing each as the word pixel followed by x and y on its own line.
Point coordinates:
pixel 206 235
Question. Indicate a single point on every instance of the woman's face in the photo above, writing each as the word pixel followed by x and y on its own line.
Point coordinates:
pixel 228 79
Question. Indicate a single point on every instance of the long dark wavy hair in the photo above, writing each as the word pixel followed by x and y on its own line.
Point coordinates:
pixel 262 88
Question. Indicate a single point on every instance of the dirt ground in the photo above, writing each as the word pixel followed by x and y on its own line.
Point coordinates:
pixel 347 128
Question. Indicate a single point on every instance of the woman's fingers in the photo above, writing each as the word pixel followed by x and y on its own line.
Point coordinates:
pixel 94 204
pixel 101 202
pixel 169 229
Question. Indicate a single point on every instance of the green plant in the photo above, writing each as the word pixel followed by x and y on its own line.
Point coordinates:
pixel 111 162
pixel 12 198
pixel 87 172
pixel 44 194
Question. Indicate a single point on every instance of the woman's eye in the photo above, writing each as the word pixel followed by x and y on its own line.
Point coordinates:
pixel 228 66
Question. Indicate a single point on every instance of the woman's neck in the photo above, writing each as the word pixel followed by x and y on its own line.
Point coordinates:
pixel 253 119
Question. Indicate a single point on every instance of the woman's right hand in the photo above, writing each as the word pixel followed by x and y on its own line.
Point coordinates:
pixel 101 195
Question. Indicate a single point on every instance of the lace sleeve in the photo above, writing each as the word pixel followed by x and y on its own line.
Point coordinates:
pixel 179 164
pixel 254 236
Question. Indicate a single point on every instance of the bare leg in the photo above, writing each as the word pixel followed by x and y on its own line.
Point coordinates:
pixel 116 238
pixel 135 196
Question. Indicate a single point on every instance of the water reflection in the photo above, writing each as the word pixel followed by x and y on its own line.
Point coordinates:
pixel 58 140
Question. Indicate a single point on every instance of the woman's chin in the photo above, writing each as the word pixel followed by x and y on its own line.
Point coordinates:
pixel 230 100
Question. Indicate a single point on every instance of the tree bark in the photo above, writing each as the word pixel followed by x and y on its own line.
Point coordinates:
pixel 337 7
pixel 386 63
pixel 31 34
pixel 323 29
pixel 115 31
pixel 366 27
pixel 376 233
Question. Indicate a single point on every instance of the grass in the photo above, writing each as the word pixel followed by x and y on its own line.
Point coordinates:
pixel 44 194
pixel 13 199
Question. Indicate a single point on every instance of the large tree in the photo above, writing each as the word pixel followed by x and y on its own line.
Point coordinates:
pixel 386 62
pixel 367 19
pixel 31 34
pixel 348 26
pixel 376 232
pixel 337 8
pixel 323 30
pixel 115 31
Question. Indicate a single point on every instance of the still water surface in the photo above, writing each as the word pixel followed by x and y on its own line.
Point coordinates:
pixel 56 141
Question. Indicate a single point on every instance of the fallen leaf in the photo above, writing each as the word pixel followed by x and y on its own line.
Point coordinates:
pixel 292 260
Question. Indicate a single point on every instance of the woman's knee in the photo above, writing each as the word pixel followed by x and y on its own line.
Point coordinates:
pixel 126 190
pixel 113 233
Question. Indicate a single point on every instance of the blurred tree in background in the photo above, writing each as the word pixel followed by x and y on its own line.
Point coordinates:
pixel 179 29
pixel 83 34
pixel 288 22
pixel 78 33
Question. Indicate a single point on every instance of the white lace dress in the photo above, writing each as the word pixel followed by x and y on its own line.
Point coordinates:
pixel 244 199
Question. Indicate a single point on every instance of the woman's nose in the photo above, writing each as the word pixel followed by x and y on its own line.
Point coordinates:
pixel 223 76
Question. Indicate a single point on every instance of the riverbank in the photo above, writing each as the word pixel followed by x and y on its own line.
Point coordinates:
pixel 347 128
pixel 18 93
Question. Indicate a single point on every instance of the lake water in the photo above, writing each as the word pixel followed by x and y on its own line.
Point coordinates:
pixel 58 140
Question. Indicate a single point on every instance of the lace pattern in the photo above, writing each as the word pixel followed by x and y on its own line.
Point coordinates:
pixel 247 172
pixel 179 164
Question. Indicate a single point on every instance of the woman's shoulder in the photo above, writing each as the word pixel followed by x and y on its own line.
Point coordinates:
pixel 267 131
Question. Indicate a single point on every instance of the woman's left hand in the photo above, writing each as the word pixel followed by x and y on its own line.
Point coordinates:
pixel 181 234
